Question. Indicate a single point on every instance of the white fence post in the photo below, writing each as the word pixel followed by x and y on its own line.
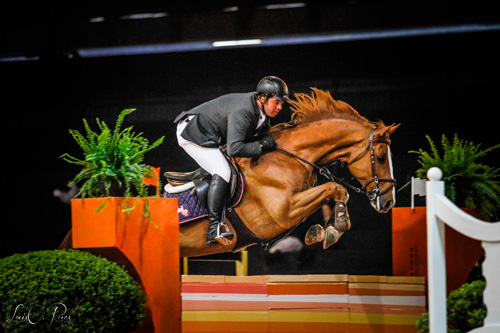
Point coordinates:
pixel 436 262
pixel 441 210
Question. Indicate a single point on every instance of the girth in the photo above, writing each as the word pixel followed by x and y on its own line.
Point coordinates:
pixel 244 236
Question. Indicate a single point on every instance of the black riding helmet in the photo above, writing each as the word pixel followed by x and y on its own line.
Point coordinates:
pixel 272 86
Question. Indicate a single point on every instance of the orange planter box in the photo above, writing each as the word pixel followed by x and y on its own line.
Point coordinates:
pixel 149 252
pixel 409 247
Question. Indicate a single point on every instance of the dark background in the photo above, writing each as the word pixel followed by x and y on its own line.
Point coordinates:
pixel 430 82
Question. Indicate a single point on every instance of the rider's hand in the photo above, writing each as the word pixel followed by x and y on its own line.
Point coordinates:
pixel 267 143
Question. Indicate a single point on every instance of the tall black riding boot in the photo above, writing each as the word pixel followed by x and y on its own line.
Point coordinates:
pixel 216 198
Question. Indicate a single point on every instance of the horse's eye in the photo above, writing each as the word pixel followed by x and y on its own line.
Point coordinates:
pixel 381 158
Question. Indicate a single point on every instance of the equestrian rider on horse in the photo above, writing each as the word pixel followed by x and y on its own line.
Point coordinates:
pixel 241 122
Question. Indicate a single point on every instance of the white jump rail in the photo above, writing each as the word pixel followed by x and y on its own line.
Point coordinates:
pixel 441 210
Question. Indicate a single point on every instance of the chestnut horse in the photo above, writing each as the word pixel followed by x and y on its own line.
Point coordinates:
pixel 279 190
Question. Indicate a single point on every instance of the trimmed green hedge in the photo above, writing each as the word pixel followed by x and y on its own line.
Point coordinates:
pixel 67 291
pixel 465 308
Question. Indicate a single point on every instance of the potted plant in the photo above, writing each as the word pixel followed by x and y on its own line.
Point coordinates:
pixel 468 183
pixel 107 224
pixel 112 164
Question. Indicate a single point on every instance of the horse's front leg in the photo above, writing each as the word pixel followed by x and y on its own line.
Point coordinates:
pixel 336 224
pixel 307 202
pixel 303 204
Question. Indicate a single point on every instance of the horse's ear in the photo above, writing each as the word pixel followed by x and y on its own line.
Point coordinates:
pixel 388 130
pixel 392 128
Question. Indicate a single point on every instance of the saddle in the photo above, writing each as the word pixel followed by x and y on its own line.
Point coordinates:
pixel 191 188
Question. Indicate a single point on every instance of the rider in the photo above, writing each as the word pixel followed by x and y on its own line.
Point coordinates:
pixel 240 121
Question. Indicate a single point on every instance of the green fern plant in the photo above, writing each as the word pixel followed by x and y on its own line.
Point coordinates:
pixel 468 183
pixel 112 157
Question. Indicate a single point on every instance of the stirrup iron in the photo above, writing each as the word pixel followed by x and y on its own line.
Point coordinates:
pixel 221 237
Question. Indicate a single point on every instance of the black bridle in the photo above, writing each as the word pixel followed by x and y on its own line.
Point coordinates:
pixel 325 172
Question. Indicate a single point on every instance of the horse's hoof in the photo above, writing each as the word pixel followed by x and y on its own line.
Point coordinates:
pixel 315 234
pixel 342 222
pixel 331 237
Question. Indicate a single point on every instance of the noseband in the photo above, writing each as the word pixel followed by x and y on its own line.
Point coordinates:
pixel 372 194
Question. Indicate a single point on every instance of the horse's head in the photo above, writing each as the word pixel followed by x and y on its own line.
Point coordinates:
pixel 371 164
pixel 364 145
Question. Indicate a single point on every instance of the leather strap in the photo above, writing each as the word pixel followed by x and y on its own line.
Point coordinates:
pixel 244 236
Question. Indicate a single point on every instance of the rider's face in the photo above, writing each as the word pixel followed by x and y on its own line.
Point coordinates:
pixel 272 107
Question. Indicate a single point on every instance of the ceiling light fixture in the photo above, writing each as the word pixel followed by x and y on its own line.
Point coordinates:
pixel 241 42
pixel 231 9
pixel 142 16
pixel 97 19
pixel 285 5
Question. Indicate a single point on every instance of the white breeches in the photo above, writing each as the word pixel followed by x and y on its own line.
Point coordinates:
pixel 210 159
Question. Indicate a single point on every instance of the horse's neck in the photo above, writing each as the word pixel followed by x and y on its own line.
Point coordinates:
pixel 325 141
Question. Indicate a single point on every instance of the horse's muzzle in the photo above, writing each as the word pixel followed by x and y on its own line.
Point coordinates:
pixel 383 204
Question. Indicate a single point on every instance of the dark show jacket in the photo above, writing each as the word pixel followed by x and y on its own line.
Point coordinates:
pixel 229 119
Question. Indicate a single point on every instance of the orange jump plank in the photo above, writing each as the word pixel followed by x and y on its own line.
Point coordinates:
pixel 307 288
pixel 224 326
pixel 234 288
pixel 385 292
pixel 198 305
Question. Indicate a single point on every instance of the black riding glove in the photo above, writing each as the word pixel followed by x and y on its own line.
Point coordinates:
pixel 267 143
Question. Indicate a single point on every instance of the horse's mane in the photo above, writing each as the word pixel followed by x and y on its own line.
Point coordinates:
pixel 320 105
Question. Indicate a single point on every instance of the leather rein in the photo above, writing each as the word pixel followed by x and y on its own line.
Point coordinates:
pixel 325 172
